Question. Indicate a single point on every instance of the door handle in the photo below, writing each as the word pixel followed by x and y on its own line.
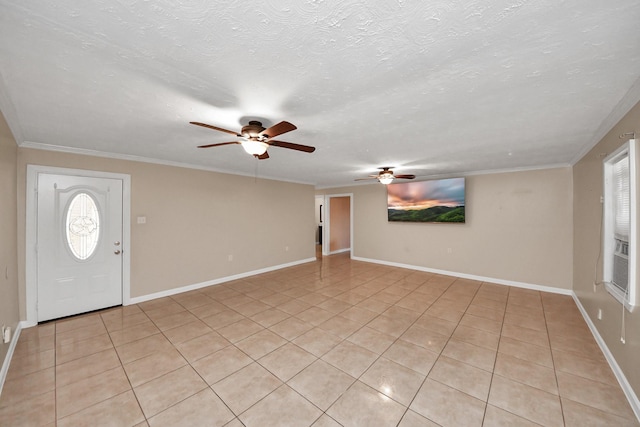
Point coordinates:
pixel 117 252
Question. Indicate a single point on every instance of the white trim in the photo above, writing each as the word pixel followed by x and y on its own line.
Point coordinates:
pixel 26 324
pixel 319 213
pixel 9 356
pixel 455 175
pixel 174 291
pixel 326 241
pixel 614 117
pixel 325 227
pixel 617 371
pixel 134 158
pixel 339 251
pixel 470 276
pixel 9 112
pixel 619 296
pixel 629 149
pixel 31 261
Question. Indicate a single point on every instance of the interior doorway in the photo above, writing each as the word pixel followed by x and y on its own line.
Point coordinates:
pixel 338 224
pixel 319 216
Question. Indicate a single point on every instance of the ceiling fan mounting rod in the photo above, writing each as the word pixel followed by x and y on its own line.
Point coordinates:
pixel 253 130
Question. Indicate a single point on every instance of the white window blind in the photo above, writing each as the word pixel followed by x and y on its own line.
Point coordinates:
pixel 621 196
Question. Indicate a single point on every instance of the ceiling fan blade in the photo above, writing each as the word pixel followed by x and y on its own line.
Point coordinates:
pixel 292 146
pixel 404 176
pixel 219 144
pixel 366 179
pixel 278 129
pixel 215 128
pixel 263 156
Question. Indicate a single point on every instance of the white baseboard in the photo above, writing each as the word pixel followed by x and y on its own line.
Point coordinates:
pixel 339 251
pixel 195 286
pixel 470 276
pixel 7 359
pixel 617 371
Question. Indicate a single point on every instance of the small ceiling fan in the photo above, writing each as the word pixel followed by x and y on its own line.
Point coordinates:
pixel 385 176
pixel 255 139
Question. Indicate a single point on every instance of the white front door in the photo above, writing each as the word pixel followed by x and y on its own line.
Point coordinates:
pixel 79 244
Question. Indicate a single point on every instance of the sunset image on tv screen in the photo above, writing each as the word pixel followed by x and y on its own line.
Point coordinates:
pixel 439 200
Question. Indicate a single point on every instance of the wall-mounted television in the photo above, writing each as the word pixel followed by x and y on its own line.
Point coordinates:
pixel 440 200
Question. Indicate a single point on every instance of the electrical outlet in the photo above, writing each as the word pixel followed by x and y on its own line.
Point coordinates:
pixel 6 334
pixel 599 314
pixel 286 248
pixel 230 258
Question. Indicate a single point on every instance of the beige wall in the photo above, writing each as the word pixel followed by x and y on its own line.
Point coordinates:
pixel 588 183
pixel 340 223
pixel 518 229
pixel 195 220
pixel 9 314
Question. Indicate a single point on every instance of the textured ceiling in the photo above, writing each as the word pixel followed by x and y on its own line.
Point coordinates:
pixel 432 88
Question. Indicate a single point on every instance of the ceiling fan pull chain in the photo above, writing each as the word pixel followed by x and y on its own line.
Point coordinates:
pixel 255 174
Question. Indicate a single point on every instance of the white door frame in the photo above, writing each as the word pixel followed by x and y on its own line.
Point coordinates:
pixel 326 229
pixel 31 259
pixel 320 218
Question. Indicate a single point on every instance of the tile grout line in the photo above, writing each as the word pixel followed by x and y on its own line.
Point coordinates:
pixel 553 363
pixel 122 367
pixel 495 362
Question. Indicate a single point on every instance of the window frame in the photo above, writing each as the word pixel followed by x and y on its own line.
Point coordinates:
pixel 630 298
pixel 78 252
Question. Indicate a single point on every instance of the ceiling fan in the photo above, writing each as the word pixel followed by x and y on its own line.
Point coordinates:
pixel 385 176
pixel 255 139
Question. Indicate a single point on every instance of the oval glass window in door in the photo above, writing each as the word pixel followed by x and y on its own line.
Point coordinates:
pixel 82 226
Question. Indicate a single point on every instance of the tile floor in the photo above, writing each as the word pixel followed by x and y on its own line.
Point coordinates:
pixel 330 343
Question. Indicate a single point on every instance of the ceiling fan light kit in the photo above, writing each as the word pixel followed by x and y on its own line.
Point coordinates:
pixel 385 178
pixel 255 148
